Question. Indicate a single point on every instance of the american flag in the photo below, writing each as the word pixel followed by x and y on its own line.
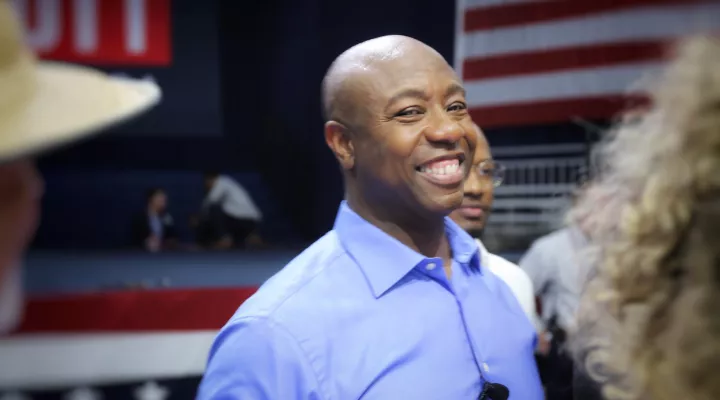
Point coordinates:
pixel 129 345
pixel 530 62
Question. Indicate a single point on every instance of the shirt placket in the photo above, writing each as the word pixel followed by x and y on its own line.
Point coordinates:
pixel 458 287
pixel 462 284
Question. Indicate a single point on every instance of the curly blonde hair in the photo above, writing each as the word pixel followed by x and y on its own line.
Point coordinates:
pixel 649 322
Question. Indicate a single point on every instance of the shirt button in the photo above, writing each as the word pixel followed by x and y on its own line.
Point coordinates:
pixel 430 266
pixel 486 367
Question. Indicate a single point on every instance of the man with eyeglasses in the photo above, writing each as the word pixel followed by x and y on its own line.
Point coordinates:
pixel 472 215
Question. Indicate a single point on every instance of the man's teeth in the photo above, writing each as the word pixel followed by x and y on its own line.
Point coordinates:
pixel 447 169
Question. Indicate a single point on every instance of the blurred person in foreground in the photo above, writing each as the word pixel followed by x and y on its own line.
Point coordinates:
pixel 44 105
pixel 478 193
pixel 153 229
pixel 229 217
pixel 649 322
pixel 393 303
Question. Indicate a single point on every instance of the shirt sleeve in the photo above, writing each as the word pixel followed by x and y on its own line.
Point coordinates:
pixel 254 358
pixel 536 267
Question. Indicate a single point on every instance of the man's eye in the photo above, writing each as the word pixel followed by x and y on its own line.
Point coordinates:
pixel 487 171
pixel 409 112
pixel 458 106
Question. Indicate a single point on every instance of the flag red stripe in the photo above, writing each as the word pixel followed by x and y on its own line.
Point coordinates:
pixel 160 41
pixel 501 16
pixel 555 111
pixel 564 59
pixel 32 15
pixel 133 311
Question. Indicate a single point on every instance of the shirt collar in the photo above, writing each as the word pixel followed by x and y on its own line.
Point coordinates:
pixel 383 259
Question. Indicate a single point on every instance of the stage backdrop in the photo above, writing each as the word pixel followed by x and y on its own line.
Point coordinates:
pixel 173 42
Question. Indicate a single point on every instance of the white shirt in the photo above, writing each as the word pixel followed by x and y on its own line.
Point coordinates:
pixel 518 281
pixel 233 198
pixel 557 273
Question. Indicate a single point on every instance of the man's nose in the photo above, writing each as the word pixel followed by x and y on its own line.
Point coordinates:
pixel 444 130
pixel 475 186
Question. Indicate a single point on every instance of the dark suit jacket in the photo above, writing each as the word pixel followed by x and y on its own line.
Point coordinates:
pixel 141 229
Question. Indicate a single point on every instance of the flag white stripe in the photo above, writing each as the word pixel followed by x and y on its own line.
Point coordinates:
pixel 47 361
pixel 471 4
pixel 642 23
pixel 558 85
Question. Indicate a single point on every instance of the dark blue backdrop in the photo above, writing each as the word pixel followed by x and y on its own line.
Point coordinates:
pixel 192 104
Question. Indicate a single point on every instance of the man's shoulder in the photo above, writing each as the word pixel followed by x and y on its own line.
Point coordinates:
pixel 228 182
pixel 498 262
pixel 552 238
pixel 504 268
pixel 300 284
pixel 549 247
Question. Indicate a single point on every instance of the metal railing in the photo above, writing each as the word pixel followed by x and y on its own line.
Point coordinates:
pixel 536 191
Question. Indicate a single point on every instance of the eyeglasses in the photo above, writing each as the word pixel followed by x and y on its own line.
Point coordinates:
pixel 492 169
pixel 494 391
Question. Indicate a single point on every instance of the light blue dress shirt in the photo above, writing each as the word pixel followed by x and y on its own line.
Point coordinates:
pixel 358 315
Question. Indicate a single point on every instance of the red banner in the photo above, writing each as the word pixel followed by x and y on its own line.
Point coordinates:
pixel 99 32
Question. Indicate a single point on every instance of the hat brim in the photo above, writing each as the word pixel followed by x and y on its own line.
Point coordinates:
pixel 70 103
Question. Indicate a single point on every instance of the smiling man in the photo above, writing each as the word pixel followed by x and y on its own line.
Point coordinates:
pixel 393 302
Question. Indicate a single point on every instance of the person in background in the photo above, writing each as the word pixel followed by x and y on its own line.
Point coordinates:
pixel 42 106
pixel 555 269
pixel 649 319
pixel 472 215
pixel 558 273
pixel 393 302
pixel 229 217
pixel 154 228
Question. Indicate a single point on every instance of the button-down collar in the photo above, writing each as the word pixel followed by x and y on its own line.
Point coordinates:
pixel 384 260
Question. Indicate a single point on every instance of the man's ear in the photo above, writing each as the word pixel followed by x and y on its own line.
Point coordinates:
pixel 338 138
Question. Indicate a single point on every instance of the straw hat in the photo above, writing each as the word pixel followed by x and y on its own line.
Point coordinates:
pixel 47 104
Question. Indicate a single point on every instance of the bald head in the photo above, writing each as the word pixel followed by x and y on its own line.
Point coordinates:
pixel 393 106
pixel 353 71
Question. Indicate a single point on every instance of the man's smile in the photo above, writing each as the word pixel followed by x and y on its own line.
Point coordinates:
pixel 446 170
